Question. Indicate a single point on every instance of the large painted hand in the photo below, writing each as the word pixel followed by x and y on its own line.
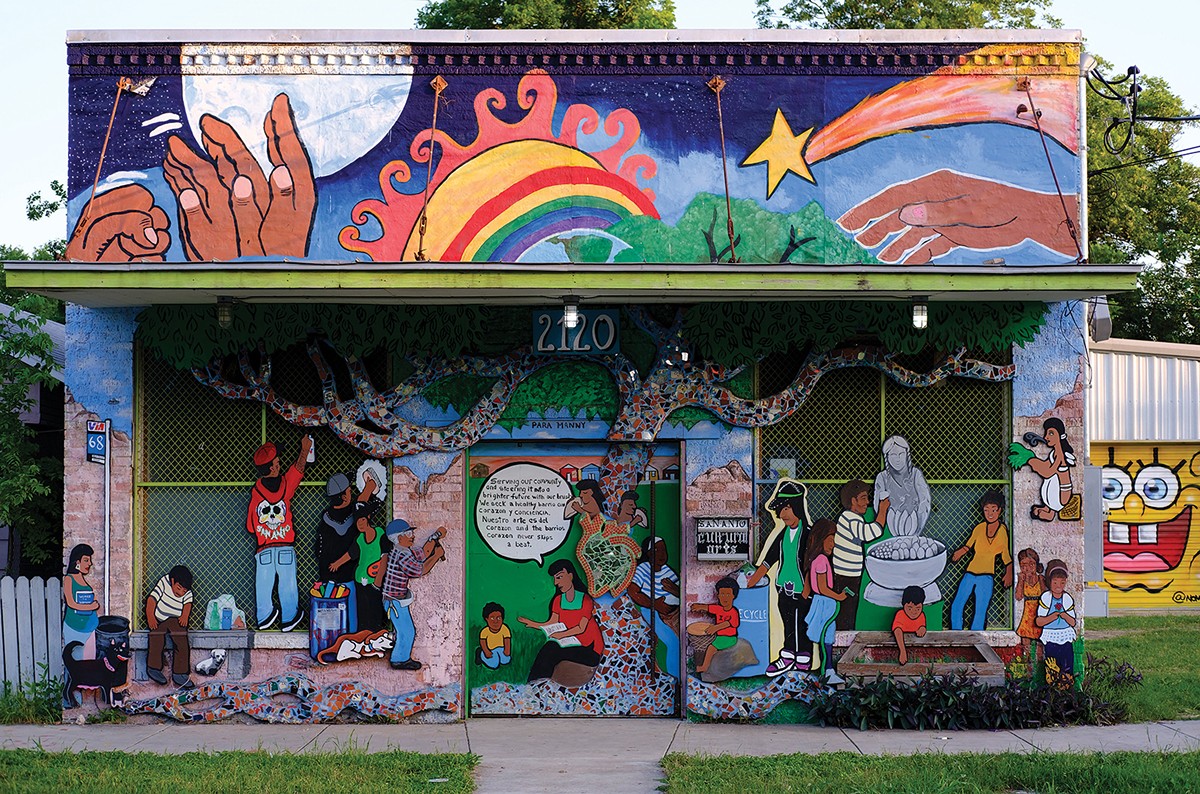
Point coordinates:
pixel 938 212
pixel 120 225
pixel 228 207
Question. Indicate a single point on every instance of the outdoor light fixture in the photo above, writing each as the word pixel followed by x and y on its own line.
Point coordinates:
pixel 920 314
pixel 224 312
pixel 570 311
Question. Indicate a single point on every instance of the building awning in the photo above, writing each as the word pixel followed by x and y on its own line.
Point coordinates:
pixel 143 284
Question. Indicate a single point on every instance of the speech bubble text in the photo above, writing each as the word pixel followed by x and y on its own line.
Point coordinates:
pixel 519 512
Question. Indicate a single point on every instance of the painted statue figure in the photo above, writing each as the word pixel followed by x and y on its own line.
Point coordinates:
pixel 269 519
pixel 168 608
pixel 405 562
pixel 782 561
pixel 1030 586
pixel 901 485
pixel 1057 618
pixel 726 618
pixel 909 619
pixel 853 532
pixel 825 600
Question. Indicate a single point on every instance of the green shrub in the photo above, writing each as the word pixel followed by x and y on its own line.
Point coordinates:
pixel 37 701
pixel 960 701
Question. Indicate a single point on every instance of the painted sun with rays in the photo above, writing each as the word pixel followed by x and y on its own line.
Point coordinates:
pixel 513 188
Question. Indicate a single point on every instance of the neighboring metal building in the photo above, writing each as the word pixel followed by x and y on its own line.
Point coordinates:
pixel 1144 390
pixel 1144 428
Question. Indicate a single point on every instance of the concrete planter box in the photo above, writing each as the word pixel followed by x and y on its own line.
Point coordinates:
pixel 939 653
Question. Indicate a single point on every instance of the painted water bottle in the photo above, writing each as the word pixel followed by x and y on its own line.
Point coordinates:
pixel 312 450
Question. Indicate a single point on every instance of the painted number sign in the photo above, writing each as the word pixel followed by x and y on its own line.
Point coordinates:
pixel 723 538
pixel 597 332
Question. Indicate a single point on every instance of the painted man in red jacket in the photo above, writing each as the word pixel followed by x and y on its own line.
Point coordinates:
pixel 270 520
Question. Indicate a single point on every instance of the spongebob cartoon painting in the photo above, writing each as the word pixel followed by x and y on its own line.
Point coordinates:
pixel 1152 526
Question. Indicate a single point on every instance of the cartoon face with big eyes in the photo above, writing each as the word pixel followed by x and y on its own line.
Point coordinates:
pixel 1152 532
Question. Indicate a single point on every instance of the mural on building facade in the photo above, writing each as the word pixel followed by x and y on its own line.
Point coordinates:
pixel 293 699
pixel 542 165
pixel 577 608
pixel 1152 523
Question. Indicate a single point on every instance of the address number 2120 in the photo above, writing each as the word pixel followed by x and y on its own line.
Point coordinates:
pixel 596 332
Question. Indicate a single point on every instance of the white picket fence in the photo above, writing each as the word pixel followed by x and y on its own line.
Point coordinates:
pixel 30 628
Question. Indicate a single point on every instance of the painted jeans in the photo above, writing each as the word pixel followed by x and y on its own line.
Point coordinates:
pixel 497 658
pixel 277 563
pixel 982 585
pixel 402 622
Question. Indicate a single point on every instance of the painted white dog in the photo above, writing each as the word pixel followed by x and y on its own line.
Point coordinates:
pixel 212 664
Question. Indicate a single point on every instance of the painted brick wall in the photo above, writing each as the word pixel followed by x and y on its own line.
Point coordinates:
pixel 99 379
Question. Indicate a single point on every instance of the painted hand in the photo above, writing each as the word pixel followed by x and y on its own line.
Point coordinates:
pixel 121 225
pixel 939 212
pixel 227 207
pixel 1018 455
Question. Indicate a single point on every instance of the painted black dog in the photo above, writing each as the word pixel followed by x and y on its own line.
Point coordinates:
pixel 106 673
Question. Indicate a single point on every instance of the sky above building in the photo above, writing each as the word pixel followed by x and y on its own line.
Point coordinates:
pixel 1156 35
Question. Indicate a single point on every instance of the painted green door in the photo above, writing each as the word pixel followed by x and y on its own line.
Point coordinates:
pixel 572 591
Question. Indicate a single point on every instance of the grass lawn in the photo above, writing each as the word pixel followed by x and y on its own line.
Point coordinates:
pixel 33 770
pixel 845 773
pixel 1166 651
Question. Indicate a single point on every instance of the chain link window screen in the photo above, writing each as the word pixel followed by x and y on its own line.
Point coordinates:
pixel 958 430
pixel 194 471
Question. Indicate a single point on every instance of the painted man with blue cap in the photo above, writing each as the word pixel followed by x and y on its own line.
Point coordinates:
pixel 405 562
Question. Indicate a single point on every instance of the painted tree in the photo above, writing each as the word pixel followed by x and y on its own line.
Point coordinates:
pixel 525 14
pixel 677 364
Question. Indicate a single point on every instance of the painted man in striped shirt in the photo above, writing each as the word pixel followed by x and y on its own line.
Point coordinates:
pixel 168 608
pixel 853 530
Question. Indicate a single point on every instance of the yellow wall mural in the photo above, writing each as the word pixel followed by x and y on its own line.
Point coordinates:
pixel 1152 524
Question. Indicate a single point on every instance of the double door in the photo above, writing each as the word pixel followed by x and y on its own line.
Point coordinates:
pixel 549 538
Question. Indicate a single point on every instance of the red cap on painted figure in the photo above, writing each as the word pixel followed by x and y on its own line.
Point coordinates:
pixel 265 454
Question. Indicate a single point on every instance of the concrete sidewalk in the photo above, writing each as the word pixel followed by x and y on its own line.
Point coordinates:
pixel 611 755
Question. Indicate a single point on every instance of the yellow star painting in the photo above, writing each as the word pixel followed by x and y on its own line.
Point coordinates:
pixel 782 151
